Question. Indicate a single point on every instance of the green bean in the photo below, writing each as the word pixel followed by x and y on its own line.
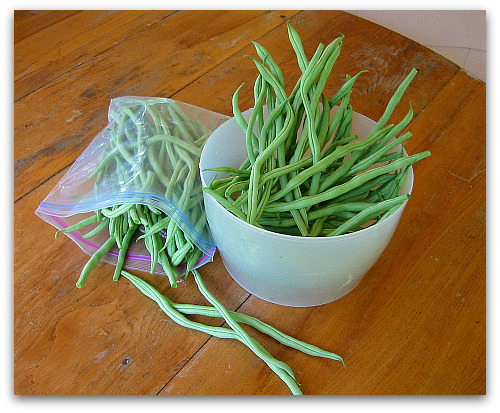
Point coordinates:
pixel 157 120
pixel 237 186
pixel 192 260
pixel 157 227
pixel 151 244
pixel 342 170
pixel 122 149
pixel 390 212
pixel 104 223
pixel 338 118
pixel 139 136
pixel 286 169
pixel 365 188
pixel 169 270
pixel 84 222
pixel 322 70
pixel 117 230
pixel 259 161
pixel 225 203
pixel 116 211
pixel 322 132
pixel 94 260
pixel 316 214
pixel 175 141
pixel 375 156
pixel 317 226
pixel 297 46
pixel 181 122
pixel 244 125
pixel 401 180
pixel 394 101
pixel 123 251
pixel 251 121
pixel 395 131
pixel 192 309
pixel 220 184
pixel 329 57
pixel 180 254
pixel 344 128
pixel 306 82
pixel 158 170
pixel 346 87
pixel 179 174
pixel 230 171
pixel 263 200
pixel 271 79
pixel 369 213
pixel 220 332
pixel 318 166
pixel 189 180
pixel 266 57
pixel 104 162
pixel 282 369
pixel 166 305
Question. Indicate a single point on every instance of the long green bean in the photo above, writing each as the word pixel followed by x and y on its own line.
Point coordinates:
pixel 282 369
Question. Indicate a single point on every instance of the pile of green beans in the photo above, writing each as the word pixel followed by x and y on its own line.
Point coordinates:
pixel 159 149
pixel 305 173
pixel 171 163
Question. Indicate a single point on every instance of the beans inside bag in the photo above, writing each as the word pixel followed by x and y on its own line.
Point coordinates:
pixel 134 196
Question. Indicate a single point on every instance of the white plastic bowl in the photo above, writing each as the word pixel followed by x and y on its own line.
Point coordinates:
pixel 283 269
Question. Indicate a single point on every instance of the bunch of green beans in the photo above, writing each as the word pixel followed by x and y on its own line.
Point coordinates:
pixel 305 173
pixel 176 254
pixel 171 162
pixel 159 149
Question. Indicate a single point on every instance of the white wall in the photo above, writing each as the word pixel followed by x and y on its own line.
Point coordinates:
pixel 458 35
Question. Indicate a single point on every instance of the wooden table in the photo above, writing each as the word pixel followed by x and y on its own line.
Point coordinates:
pixel 415 325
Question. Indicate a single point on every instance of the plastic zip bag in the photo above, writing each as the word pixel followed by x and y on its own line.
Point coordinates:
pixel 147 156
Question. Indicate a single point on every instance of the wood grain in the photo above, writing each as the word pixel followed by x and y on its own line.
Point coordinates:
pixel 29 22
pixel 51 133
pixel 46 55
pixel 415 325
